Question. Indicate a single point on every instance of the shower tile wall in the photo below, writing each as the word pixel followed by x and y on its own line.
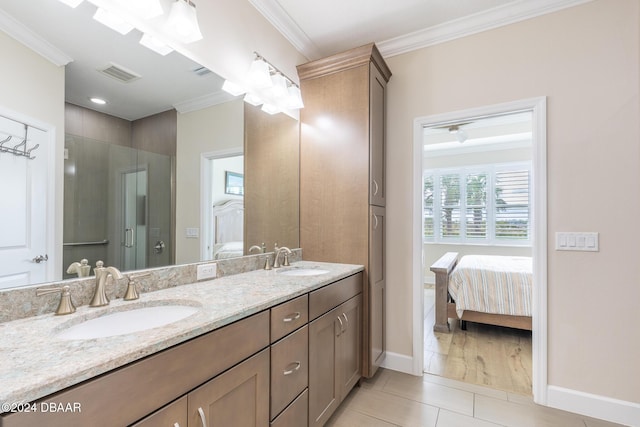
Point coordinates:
pixel 100 149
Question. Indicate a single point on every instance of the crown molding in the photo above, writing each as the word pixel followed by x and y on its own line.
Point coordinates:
pixel 493 18
pixel 24 35
pixel 280 19
pixel 203 102
pixel 516 11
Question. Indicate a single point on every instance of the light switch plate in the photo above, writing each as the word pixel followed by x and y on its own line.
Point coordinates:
pixel 192 232
pixel 206 271
pixel 570 241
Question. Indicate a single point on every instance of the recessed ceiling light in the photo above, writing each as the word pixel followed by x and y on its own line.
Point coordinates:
pixel 98 101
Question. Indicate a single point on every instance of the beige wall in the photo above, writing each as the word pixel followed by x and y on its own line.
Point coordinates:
pixel 32 86
pixel 585 60
pixel 220 127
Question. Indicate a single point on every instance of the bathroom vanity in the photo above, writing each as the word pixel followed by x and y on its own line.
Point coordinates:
pixel 279 348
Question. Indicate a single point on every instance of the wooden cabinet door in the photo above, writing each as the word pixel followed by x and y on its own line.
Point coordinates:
pixel 377 88
pixel 377 303
pixel 172 415
pixel 350 344
pixel 324 389
pixel 236 398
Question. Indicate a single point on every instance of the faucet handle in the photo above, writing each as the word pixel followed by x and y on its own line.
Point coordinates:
pixel 66 305
pixel 286 260
pixel 132 292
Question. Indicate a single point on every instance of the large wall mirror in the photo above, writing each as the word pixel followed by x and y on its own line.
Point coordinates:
pixel 170 169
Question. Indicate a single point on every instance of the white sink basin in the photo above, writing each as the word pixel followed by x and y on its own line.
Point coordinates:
pixel 126 322
pixel 303 272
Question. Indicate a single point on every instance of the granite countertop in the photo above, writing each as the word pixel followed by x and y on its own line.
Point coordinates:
pixel 36 363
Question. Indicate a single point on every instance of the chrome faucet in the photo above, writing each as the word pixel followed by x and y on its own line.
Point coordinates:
pixel 277 252
pixel 100 295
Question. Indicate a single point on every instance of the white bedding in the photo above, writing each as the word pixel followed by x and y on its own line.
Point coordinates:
pixel 227 250
pixel 492 284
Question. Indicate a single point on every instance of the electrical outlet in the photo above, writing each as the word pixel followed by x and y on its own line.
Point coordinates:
pixel 206 271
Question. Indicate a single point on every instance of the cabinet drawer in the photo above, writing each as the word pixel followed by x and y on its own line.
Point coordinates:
pixel 172 415
pixel 295 415
pixel 289 369
pixel 325 299
pixel 289 316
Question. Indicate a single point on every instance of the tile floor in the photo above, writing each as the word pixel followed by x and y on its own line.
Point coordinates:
pixel 392 398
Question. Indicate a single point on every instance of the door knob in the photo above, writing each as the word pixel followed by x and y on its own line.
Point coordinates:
pixel 40 258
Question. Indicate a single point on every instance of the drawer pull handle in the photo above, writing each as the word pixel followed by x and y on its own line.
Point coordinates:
pixel 203 419
pixel 341 326
pixel 292 317
pixel 346 320
pixel 294 369
pixel 375 183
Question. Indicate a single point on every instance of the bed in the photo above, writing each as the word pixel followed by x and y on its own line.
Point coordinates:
pixel 494 290
pixel 228 225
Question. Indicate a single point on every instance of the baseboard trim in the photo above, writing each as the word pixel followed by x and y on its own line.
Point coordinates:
pixel 602 407
pixel 401 363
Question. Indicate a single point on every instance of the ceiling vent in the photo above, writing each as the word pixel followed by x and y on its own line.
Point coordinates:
pixel 202 71
pixel 119 73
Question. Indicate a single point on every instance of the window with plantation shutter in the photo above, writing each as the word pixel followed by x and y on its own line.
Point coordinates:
pixel 486 204
pixel 512 204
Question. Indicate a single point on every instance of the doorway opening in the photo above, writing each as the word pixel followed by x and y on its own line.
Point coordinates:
pixel 222 204
pixel 480 189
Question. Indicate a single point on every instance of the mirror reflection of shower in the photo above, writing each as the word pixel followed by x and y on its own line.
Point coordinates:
pixel 118 191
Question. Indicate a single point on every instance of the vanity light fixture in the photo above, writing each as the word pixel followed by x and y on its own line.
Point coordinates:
pixel 265 84
pixel 279 88
pixel 182 22
pixel 155 45
pixel 113 21
pixel 294 100
pixel 259 74
pixel 71 3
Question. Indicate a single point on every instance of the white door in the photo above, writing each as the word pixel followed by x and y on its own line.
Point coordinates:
pixel 23 207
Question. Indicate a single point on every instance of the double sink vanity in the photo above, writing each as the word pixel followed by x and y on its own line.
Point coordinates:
pixel 267 347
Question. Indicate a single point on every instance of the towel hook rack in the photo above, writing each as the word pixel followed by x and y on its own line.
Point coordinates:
pixel 21 148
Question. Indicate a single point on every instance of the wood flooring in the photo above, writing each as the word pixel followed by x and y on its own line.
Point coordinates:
pixel 492 356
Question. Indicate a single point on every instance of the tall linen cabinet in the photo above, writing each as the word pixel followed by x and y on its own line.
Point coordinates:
pixel 342 176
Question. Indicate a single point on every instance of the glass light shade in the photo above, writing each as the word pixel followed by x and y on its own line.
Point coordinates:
pixel 279 89
pixel 252 99
pixel 182 22
pixel 71 3
pixel 232 88
pixel 294 99
pixel 112 21
pixel 270 109
pixel 155 45
pixel 259 75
